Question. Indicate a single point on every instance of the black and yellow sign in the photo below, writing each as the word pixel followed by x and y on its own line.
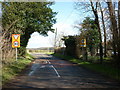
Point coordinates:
pixel 15 40
pixel 83 43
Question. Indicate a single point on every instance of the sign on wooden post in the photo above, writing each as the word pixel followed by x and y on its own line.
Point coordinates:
pixel 15 40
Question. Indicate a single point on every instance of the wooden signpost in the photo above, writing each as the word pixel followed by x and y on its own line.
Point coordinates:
pixel 84 48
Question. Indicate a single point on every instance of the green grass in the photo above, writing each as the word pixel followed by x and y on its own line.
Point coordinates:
pixel 93 59
pixel 29 56
pixel 10 71
pixel 104 69
pixel 49 52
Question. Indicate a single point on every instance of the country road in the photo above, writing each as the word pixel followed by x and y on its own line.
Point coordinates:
pixel 50 72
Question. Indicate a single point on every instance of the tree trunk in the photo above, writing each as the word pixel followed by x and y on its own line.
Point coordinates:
pixel 114 27
pixel 105 50
pixel 98 26
pixel 119 30
pixel 24 41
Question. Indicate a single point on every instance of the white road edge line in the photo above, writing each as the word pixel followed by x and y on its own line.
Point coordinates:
pixel 54 69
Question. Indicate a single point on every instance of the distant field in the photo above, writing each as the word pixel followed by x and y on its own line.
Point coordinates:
pixel 41 50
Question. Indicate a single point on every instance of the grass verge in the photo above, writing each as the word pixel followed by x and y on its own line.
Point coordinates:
pixel 13 69
pixel 104 69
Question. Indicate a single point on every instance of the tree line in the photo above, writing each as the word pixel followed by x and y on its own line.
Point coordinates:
pixel 106 19
pixel 24 18
pixel 100 28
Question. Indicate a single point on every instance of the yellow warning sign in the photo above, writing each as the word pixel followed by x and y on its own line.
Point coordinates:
pixel 15 40
pixel 83 43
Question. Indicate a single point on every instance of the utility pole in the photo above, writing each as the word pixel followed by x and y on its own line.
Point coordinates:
pixel 55 39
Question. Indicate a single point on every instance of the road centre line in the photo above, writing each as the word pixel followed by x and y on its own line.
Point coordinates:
pixel 48 61
pixel 53 68
pixel 55 71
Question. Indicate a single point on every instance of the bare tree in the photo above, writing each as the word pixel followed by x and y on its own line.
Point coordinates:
pixel 7 53
pixel 103 23
pixel 119 29
pixel 114 27
pixel 57 40
pixel 94 9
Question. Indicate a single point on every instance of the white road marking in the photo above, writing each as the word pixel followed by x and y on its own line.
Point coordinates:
pixel 42 67
pixel 49 62
pixel 46 62
pixel 53 67
pixel 31 73
pixel 33 68
pixel 55 71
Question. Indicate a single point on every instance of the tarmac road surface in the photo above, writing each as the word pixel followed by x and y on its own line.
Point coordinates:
pixel 50 72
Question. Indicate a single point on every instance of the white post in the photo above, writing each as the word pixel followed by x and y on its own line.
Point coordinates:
pixel 16 54
pixel 48 49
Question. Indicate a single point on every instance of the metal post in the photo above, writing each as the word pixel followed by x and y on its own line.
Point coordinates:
pixel 16 54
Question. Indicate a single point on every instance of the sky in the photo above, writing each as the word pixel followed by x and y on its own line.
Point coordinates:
pixel 66 19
